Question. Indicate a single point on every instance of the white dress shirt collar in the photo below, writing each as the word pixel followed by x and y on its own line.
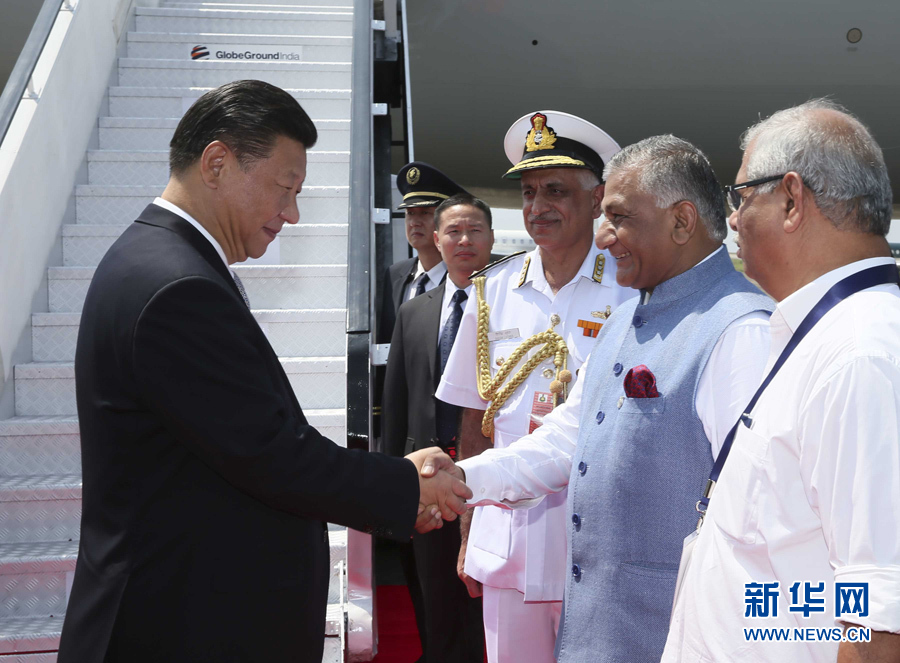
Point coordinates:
pixel 175 209
pixel 793 308
pixel 435 274
pixel 538 280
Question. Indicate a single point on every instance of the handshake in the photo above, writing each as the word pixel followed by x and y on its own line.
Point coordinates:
pixel 442 493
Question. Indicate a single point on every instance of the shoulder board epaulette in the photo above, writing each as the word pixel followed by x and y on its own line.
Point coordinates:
pixel 495 263
pixel 599 264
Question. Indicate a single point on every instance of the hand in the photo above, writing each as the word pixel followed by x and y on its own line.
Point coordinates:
pixel 436 460
pixel 472 585
pixel 444 487
pixel 428 518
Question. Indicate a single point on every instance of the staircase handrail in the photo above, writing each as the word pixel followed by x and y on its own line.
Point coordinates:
pixel 361 201
pixel 20 77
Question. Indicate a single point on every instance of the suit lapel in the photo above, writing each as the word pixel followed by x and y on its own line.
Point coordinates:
pixel 154 215
pixel 402 279
pixel 431 328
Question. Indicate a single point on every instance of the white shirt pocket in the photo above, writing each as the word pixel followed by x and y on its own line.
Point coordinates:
pixel 734 505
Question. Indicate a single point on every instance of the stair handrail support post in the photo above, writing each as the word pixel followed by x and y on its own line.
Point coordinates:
pixel 361 640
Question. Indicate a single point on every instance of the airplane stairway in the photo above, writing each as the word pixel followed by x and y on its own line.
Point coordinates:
pixel 300 302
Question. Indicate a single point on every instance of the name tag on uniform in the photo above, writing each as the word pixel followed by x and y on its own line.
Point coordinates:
pixel 503 335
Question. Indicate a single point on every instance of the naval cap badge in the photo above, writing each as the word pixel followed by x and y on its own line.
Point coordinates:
pixel 412 175
pixel 541 137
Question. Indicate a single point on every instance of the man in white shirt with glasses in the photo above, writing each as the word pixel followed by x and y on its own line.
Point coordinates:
pixel 800 545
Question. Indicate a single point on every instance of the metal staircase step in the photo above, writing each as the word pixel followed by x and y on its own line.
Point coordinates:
pixel 150 133
pixel 128 167
pixel 292 333
pixel 49 388
pixel 268 287
pixel 35 577
pixel 169 102
pixel 187 72
pixel 284 21
pixel 40 445
pixel 277 5
pixel 290 48
pixel 41 508
pixel 289 5
pixel 99 205
pixel 30 634
pixel 303 244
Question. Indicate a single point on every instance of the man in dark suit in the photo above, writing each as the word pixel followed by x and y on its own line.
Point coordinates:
pixel 205 489
pixel 423 335
pixel 424 187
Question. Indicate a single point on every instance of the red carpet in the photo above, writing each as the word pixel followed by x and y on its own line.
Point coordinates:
pixel 398 638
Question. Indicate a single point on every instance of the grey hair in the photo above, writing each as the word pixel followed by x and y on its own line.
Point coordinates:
pixel 588 179
pixel 671 170
pixel 835 155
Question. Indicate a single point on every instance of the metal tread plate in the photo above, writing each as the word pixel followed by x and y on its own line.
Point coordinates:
pixel 229 65
pixel 40 488
pixel 162 156
pixel 39 425
pixel 233 38
pixel 30 634
pixel 282 14
pixel 183 92
pixel 39 557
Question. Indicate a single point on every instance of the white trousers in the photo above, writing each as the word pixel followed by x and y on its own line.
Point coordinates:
pixel 516 631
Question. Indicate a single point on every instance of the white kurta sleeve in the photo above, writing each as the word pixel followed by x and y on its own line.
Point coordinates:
pixel 522 474
pixel 732 375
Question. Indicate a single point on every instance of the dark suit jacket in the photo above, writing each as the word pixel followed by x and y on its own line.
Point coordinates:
pixel 413 375
pixel 205 489
pixel 396 277
pixel 452 620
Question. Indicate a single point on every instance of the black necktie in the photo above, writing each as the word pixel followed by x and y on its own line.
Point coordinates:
pixel 420 288
pixel 448 334
pixel 240 287
pixel 446 414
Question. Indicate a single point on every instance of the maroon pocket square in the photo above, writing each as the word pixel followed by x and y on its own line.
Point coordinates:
pixel 640 383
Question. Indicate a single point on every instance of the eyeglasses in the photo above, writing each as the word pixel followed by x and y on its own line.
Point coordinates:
pixel 735 199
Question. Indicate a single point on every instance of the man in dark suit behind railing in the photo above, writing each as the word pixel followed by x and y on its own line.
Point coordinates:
pixel 206 491
pixel 423 335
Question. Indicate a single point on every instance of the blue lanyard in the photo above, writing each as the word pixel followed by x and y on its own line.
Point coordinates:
pixel 867 278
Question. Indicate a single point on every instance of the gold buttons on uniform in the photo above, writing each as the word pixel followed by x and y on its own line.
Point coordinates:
pixel 500 361
pixel 621 400
pixel 548 373
pixel 555 320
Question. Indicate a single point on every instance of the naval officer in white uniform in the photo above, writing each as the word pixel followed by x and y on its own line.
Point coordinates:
pixel 564 290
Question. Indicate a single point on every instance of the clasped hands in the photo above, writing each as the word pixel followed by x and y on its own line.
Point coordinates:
pixel 442 491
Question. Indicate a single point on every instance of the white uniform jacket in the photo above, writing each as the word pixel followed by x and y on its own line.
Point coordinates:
pixel 526 549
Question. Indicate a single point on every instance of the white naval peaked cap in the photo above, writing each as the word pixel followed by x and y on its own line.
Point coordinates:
pixel 553 139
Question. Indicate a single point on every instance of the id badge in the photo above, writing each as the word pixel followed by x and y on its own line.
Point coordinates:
pixel 541 406
pixel 687 550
